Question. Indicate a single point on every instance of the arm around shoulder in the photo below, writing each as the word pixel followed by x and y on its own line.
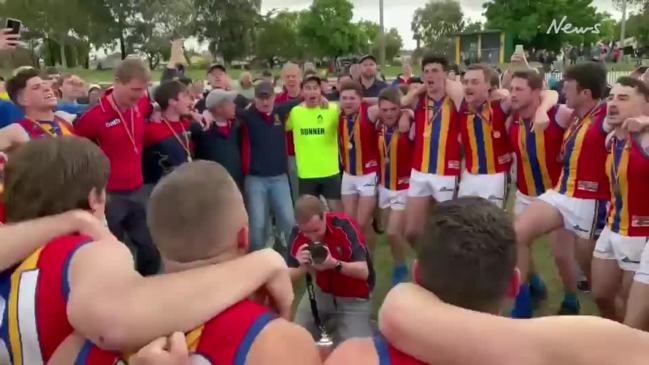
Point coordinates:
pixel 283 342
pixel 11 135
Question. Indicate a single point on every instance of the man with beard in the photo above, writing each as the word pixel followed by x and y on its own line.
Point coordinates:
pixel 372 86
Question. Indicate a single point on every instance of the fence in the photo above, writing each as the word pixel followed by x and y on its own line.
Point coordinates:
pixel 611 76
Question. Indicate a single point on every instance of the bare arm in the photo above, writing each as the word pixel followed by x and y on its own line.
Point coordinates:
pixel 549 98
pixel 455 92
pixel 410 99
pixel 466 337
pixel 371 101
pixel 356 270
pixel 373 113
pixel 564 116
pixel 19 240
pixel 116 308
pixel 12 134
pixel 405 121
pixel 283 342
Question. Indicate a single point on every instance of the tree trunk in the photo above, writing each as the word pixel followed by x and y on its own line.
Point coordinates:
pixel 122 45
pixel 64 60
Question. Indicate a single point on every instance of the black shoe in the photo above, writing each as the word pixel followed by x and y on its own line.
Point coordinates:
pixel 569 309
pixel 583 285
pixel 538 295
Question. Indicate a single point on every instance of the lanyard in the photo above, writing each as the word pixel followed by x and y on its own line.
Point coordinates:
pixel 574 129
pixel 184 145
pixel 436 111
pixel 129 132
pixel 615 166
pixel 387 143
pixel 351 131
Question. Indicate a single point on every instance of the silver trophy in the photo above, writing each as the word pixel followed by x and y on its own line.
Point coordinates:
pixel 325 343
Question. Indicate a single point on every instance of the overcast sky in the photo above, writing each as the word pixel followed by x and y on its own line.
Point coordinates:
pixel 398 13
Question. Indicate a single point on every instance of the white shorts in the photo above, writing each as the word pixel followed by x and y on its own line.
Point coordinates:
pixel 626 250
pixel 642 274
pixel 440 187
pixel 522 202
pixel 364 185
pixel 393 199
pixel 584 217
pixel 492 187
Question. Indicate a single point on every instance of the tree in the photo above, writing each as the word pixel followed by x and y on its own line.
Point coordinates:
pixel 227 25
pixel 368 32
pixel 327 29
pixel 638 26
pixel 544 24
pixel 393 44
pixel 470 27
pixel 434 24
pixel 277 37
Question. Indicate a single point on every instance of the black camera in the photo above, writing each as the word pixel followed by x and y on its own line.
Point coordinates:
pixel 318 252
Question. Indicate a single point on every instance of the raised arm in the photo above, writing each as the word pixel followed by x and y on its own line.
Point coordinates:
pixel 116 308
pixel 412 97
pixel 455 91
pixel 19 240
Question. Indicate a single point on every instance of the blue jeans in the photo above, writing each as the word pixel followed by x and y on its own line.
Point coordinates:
pixel 263 194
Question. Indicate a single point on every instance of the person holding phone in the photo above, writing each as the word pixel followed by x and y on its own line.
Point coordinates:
pixel 10 35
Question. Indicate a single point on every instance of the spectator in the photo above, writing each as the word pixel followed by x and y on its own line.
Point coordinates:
pixel 315 130
pixel 94 93
pixel 404 76
pixel 267 76
pixel 72 89
pixel 334 95
pixel 218 79
pixel 344 278
pixel 372 86
pixel 8 40
pixel 116 123
pixel 267 185
pixel 167 144
pixel 292 78
pixel 246 87
pixel 222 142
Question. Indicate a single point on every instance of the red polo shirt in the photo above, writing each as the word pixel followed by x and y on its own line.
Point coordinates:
pixel 121 139
pixel 282 98
pixel 346 243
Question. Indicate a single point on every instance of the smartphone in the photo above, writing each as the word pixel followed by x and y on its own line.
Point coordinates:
pixel 519 49
pixel 14 25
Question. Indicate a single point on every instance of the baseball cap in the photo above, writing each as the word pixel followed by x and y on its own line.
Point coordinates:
pixel 215 66
pixel 367 57
pixel 264 89
pixel 217 96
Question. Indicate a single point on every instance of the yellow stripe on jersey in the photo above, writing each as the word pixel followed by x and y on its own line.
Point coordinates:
pixel 540 155
pixel 490 155
pixel 358 145
pixel 473 143
pixel 571 185
pixel 394 174
pixel 30 264
pixel 194 337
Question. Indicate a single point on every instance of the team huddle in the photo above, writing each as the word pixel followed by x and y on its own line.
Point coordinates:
pixel 72 293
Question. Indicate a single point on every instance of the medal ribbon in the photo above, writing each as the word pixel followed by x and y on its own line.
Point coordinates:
pixel 184 145
pixel 574 129
pixel 129 132
pixel 53 132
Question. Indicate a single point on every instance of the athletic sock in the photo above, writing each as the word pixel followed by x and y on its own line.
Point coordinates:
pixel 523 304
pixel 570 304
pixel 536 284
pixel 399 273
pixel 570 297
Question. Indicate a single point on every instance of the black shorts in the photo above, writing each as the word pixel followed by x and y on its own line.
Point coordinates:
pixel 329 187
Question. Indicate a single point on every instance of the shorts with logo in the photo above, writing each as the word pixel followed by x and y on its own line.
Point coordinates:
pixel 364 185
pixel 492 187
pixel 585 217
pixel 626 250
pixel 328 187
pixel 522 202
pixel 440 187
pixel 642 274
pixel 393 199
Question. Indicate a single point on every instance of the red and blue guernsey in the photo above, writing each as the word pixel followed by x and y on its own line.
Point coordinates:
pixel 484 136
pixel 357 144
pixel 437 145
pixel 388 355
pixel 538 165
pixel 225 339
pixel 167 145
pixel 584 156
pixel 39 129
pixel 35 320
pixel 395 149
pixel 627 167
